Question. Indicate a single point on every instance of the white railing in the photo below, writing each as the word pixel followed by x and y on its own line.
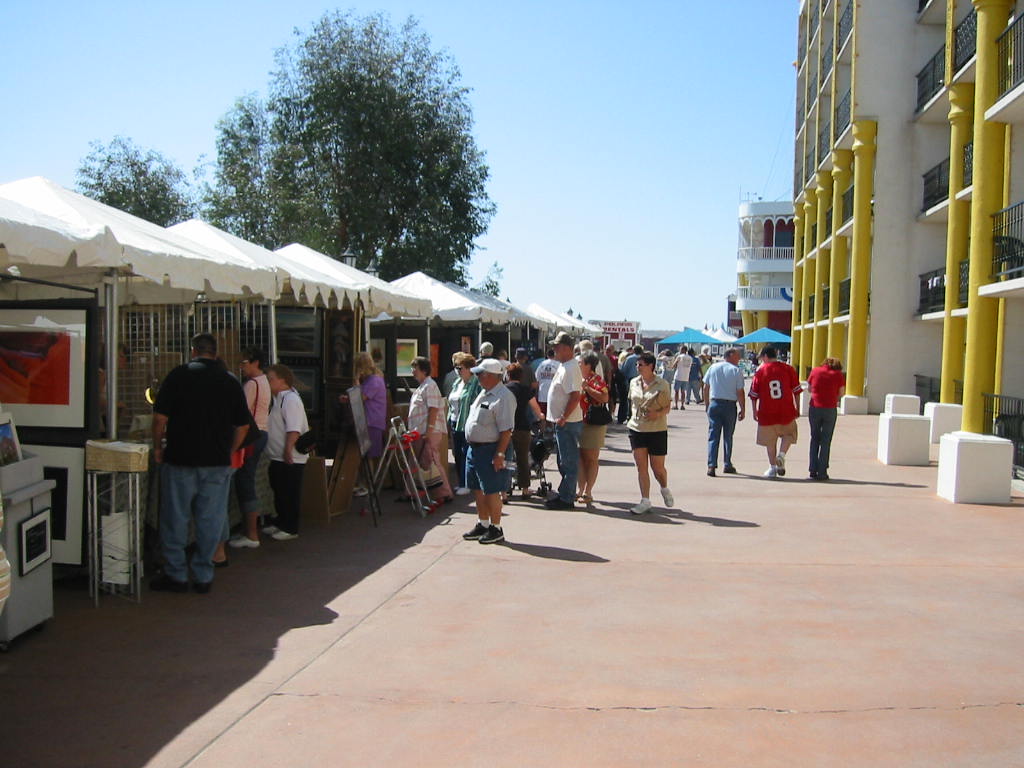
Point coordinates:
pixel 773 254
pixel 764 292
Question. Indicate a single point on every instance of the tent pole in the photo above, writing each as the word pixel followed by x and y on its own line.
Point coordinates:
pixel 272 314
pixel 113 344
pixel 479 336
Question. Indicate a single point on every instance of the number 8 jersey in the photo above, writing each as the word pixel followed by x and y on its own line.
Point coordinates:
pixel 776 387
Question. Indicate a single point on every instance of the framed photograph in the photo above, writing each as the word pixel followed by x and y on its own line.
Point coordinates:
pixel 43 366
pixel 307 382
pixel 405 351
pixel 34 541
pixel 340 326
pixel 298 332
pixel 10 448
pixel 66 466
pixel 466 344
pixel 379 353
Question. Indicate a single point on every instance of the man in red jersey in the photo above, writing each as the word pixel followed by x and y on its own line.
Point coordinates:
pixel 773 396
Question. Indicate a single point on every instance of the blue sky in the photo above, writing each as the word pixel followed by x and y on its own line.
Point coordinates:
pixel 620 140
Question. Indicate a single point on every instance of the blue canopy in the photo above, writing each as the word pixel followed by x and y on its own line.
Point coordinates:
pixel 764 336
pixel 690 336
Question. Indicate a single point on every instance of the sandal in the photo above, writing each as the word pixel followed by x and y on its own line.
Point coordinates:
pixel 585 498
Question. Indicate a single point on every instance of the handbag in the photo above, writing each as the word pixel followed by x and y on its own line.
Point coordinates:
pixel 598 415
pixel 306 442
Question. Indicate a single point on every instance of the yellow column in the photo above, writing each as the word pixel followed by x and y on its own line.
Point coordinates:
pixel 747 317
pixel 762 319
pixel 798 276
pixel 986 199
pixel 809 272
pixel 824 192
pixel 842 167
pixel 864 132
pixel 961 117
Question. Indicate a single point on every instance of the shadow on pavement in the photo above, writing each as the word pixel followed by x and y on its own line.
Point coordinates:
pixel 556 553
pixel 666 516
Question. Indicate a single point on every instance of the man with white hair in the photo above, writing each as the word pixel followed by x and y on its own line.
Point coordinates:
pixel 564 411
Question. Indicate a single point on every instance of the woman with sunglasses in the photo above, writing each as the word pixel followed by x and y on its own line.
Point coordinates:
pixel 651 401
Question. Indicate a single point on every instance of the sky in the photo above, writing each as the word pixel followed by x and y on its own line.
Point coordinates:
pixel 621 141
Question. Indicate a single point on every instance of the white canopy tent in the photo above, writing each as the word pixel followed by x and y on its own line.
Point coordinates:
pixel 556 320
pixel 453 303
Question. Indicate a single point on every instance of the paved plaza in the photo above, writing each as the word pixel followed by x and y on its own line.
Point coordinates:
pixel 863 622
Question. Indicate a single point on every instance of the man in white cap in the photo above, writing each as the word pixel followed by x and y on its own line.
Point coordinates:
pixel 488 433
pixel 565 413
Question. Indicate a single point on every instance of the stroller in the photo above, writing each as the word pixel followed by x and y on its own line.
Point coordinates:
pixel 542 445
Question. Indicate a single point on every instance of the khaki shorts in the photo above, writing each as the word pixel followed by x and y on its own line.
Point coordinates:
pixel 592 437
pixel 767 434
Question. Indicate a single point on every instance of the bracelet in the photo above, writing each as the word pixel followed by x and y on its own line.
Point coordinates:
pixel 500 453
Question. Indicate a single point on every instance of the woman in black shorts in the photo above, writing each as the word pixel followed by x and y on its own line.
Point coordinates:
pixel 651 399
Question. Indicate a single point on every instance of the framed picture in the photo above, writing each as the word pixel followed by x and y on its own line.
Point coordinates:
pixel 379 353
pixel 307 382
pixel 405 351
pixel 466 344
pixel 340 324
pixel 34 541
pixel 66 466
pixel 10 448
pixel 298 332
pixel 43 366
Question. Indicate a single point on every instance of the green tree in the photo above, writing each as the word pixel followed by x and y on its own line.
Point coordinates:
pixel 491 284
pixel 139 181
pixel 365 146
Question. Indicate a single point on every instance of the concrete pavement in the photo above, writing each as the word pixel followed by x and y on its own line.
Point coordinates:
pixel 863 622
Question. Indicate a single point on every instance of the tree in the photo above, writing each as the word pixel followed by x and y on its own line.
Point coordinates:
pixel 491 284
pixel 141 182
pixel 365 145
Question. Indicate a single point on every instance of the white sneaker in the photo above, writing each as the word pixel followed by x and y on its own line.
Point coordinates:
pixel 667 497
pixel 283 536
pixel 242 541
pixel 771 472
pixel 462 491
pixel 360 491
pixel 270 530
pixel 780 463
pixel 642 508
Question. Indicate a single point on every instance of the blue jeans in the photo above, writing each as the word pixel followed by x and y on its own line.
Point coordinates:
pixel 721 419
pixel 695 387
pixel 567 440
pixel 823 424
pixel 192 493
pixel 459 446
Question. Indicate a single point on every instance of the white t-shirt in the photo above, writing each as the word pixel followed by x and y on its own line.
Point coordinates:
pixel 287 415
pixel 545 373
pixel 425 397
pixel 683 364
pixel 568 379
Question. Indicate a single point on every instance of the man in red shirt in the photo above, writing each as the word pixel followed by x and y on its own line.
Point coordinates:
pixel 773 396
pixel 827 384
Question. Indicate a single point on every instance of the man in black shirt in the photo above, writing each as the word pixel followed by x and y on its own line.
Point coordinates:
pixel 201 412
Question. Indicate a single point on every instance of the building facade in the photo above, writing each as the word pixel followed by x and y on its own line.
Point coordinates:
pixel 908 188
pixel 764 267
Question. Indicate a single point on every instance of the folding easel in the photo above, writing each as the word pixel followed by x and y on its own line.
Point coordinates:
pixel 399 452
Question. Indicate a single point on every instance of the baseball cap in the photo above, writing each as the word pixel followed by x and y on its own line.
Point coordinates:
pixel 489 365
pixel 563 338
pixel 521 351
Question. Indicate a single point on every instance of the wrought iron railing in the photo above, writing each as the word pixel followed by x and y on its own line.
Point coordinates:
pixel 828 222
pixel 965 40
pixel 930 79
pixel 812 22
pixel 968 164
pixel 845 23
pixel 932 292
pixel 811 317
pixel 848 204
pixel 824 141
pixel 826 63
pixel 921 4
pixel 958 391
pixel 927 388
pixel 825 291
pixel 809 161
pixel 1008 243
pixel 1004 417
pixel 965 282
pixel 1011 66
pixel 814 235
pixel 842 120
pixel 936 185
pixel 844 296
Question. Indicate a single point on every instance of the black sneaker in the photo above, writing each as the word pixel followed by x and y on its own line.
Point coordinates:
pixel 557 503
pixel 494 535
pixel 202 587
pixel 163 583
pixel 729 469
pixel 477 533
pixel 812 475
pixel 711 471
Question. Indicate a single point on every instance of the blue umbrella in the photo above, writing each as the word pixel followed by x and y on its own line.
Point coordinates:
pixel 690 336
pixel 764 336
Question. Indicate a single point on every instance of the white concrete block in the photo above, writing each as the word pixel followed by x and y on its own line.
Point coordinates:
pixel 910 404
pixel 805 400
pixel 903 439
pixel 852 405
pixel 975 469
pixel 946 417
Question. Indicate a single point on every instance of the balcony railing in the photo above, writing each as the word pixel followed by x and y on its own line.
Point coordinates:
pixel 1011 66
pixel 848 204
pixel 958 391
pixel 965 282
pixel 927 388
pixel 932 294
pixel 930 79
pixel 845 23
pixel 824 141
pixel 965 40
pixel 936 185
pixel 809 161
pixel 968 164
pixel 828 222
pixel 844 296
pixel 1004 417
pixel 824 300
pixel 814 235
pixel 826 63
pixel 921 4
pixel 811 317
pixel 812 22
pixel 842 114
pixel 768 253
pixel 1008 243
pixel 763 292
